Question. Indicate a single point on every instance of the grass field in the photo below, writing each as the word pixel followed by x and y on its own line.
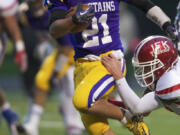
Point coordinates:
pixel 160 122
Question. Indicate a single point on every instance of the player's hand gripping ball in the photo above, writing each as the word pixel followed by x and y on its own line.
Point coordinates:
pixel 82 15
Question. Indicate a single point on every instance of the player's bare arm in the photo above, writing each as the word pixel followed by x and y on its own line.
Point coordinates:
pixel 62 23
pixel 14 31
pixel 13 27
pixel 61 26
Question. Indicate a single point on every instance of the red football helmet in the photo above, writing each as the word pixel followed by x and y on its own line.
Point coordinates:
pixel 152 58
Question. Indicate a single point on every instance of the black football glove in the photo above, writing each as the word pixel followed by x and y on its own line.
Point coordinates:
pixel 171 32
pixel 83 16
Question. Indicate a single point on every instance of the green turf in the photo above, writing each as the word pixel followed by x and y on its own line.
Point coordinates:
pixel 160 122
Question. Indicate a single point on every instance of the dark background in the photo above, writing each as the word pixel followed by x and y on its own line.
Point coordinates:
pixel 147 27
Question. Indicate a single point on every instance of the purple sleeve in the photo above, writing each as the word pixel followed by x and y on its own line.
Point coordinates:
pixel 65 40
pixel 55 4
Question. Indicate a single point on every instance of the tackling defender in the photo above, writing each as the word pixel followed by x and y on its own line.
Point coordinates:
pixel 93 83
pixel 157 67
pixel 56 69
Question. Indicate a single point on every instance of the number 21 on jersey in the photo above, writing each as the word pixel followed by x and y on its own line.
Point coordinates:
pixel 95 39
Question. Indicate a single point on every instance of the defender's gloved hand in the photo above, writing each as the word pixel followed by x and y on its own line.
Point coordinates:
pixel 171 32
pixel 83 16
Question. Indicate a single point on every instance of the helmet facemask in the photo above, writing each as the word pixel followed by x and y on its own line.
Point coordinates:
pixel 144 71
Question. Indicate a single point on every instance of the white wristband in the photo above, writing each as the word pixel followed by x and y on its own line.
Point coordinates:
pixel 156 15
pixel 120 81
pixel 19 45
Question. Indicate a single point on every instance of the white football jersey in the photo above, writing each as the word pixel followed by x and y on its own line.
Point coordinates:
pixel 8 7
pixel 168 89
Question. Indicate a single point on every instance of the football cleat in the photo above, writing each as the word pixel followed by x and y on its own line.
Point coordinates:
pixel 27 129
pixel 12 120
pixel 137 126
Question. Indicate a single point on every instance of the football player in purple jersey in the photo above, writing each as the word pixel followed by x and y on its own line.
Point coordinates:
pixel 93 83
pixel 33 19
pixel 57 65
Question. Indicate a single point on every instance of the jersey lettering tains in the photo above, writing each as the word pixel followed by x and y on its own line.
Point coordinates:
pixel 103 34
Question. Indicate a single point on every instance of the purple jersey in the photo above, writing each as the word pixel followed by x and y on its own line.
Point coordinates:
pixel 42 24
pixel 102 35
pixel 38 23
pixel 64 40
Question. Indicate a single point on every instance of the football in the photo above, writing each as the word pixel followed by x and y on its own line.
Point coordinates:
pixel 77 27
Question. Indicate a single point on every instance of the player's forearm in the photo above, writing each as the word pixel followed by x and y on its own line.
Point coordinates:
pixel 61 27
pixel 156 15
pixel 13 28
pixel 153 12
pixel 133 102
